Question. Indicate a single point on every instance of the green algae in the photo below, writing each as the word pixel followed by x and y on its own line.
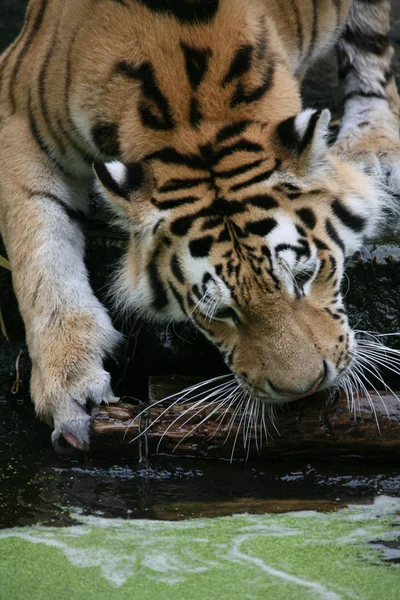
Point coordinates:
pixel 348 554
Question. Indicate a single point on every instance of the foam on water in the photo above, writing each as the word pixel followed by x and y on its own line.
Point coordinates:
pixel 273 549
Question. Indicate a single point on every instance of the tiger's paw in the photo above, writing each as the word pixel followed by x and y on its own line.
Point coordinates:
pixel 68 411
pixel 382 161
pixel 383 164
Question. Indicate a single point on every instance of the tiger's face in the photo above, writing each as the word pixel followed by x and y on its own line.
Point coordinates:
pixel 247 237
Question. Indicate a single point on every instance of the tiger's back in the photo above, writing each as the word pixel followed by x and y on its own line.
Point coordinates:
pixel 72 73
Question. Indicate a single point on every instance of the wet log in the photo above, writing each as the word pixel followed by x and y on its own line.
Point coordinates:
pixel 316 426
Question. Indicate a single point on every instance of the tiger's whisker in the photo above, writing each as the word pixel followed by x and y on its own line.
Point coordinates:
pixel 181 395
pixel 220 405
pixel 214 392
pixel 239 426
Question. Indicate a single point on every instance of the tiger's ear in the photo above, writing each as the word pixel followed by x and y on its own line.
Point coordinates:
pixel 303 138
pixel 122 182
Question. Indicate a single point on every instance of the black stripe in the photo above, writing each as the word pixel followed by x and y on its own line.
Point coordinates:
pixel 181 226
pixel 200 247
pixel 175 185
pixel 212 223
pixel 5 58
pixel 309 133
pixel 241 146
pixel 79 145
pixel 152 121
pixel 196 64
pixel 224 236
pixel 314 30
pixel 195 114
pixel 307 215
pixel 333 262
pixel 199 323
pixel 267 252
pixel 375 43
pixel 45 194
pixel 231 131
pixel 119 2
pixel 321 266
pixel 178 296
pixel 238 170
pixel 264 201
pixel 294 9
pixel 151 92
pixel 186 11
pixel 333 234
pixel 348 218
pixel 206 278
pixel 240 64
pixel 243 96
pixel 261 42
pixel 8 54
pixel 170 156
pixel 24 51
pixel 84 154
pixel 263 227
pixel 160 297
pixel 332 314
pixel 174 202
pixel 303 249
pixel 320 244
pixel 301 231
pixel 72 214
pixel 39 140
pixel 42 98
pixel 223 208
pixel 284 187
pixel 218 209
pixel 196 291
pixel 176 269
pixel 362 94
pixel 256 179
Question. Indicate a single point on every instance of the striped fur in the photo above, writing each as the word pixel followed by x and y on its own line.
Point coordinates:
pixel 240 216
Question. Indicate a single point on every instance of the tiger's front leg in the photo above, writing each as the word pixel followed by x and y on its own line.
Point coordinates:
pixel 369 132
pixel 68 330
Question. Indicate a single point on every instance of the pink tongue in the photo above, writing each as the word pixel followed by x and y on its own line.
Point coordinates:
pixel 71 439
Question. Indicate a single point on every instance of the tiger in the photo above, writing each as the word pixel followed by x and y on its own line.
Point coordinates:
pixel 240 215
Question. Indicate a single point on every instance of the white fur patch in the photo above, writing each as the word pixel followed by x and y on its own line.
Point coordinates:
pixel 117 171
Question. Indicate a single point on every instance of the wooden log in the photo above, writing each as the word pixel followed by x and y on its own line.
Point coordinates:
pixel 313 426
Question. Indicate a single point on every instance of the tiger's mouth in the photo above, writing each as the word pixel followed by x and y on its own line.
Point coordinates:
pixel 275 396
pixel 255 392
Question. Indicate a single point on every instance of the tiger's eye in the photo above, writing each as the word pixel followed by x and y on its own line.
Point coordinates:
pixel 227 313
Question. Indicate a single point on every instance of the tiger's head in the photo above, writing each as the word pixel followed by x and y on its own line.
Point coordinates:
pixel 247 237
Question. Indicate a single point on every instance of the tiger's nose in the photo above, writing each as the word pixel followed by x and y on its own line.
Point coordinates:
pixel 311 390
